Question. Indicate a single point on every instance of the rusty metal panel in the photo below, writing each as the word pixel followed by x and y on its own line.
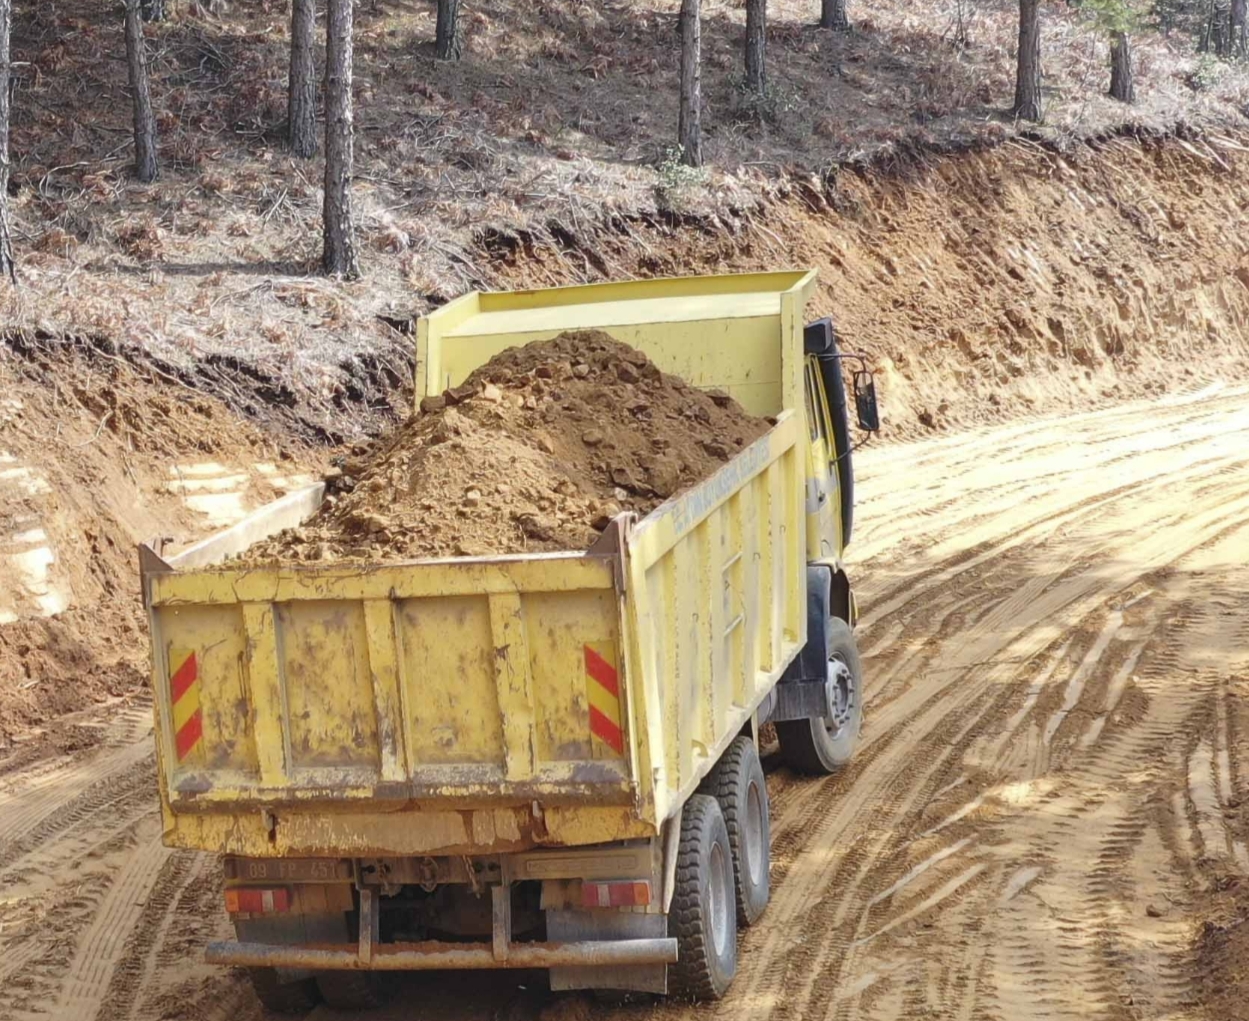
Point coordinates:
pixel 451 701
pixel 324 663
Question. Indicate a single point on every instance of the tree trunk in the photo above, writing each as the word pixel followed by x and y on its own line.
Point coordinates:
pixel 689 128
pixel 833 15
pixel 448 42
pixel 1122 87
pixel 339 256
pixel 1236 22
pixel 301 105
pixel 1028 72
pixel 152 10
pixel 7 265
pixel 144 122
pixel 1216 35
pixel 756 44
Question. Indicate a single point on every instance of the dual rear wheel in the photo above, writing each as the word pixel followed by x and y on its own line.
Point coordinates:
pixel 722 876
pixel 722 873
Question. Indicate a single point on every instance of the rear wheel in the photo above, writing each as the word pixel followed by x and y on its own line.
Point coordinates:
pixel 280 996
pixel 738 784
pixel 823 746
pixel 351 990
pixel 703 913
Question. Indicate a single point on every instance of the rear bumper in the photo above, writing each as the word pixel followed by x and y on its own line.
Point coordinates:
pixel 438 956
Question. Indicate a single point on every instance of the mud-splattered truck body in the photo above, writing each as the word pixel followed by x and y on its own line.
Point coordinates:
pixel 490 762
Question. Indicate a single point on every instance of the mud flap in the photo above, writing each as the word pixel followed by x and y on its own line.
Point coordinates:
pixel 566 926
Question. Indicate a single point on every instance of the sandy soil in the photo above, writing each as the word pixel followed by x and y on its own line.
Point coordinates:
pixel 96 455
pixel 1044 809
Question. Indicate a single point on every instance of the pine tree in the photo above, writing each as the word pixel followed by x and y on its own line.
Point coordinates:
pixel 1028 105
pixel 689 127
pixel 145 165
pixel 7 265
pixel 339 256
pixel 301 105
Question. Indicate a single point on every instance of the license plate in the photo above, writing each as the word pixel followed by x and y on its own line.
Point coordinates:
pixel 287 870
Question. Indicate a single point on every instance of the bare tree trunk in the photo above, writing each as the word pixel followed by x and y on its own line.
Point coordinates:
pixel 1215 35
pixel 7 266
pixel 1238 44
pixel 1122 85
pixel 152 10
pixel 339 255
pixel 833 15
pixel 448 41
pixel 1028 72
pixel 145 166
pixel 689 128
pixel 756 44
pixel 301 105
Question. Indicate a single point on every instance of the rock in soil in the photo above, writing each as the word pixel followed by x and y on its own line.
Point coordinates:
pixel 535 451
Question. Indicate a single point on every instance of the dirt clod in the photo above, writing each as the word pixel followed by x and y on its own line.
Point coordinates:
pixel 537 450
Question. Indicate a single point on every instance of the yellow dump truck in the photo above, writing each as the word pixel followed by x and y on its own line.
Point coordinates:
pixel 527 761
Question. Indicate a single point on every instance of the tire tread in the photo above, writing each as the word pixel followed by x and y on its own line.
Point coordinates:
pixel 722 783
pixel 691 977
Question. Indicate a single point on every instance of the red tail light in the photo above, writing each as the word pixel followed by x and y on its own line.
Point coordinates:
pixel 251 901
pixel 629 893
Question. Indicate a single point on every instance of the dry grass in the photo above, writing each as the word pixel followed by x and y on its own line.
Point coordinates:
pixel 558 114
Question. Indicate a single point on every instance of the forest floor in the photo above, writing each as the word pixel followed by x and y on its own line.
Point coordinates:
pixel 554 128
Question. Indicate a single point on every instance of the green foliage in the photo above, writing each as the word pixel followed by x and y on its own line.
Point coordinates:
pixel 1113 16
pixel 772 104
pixel 676 179
pixel 1206 73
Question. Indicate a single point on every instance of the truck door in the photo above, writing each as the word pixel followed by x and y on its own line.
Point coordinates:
pixel 823 490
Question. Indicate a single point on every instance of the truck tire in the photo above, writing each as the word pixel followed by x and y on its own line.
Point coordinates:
pixel 702 914
pixel 738 784
pixel 280 997
pixel 351 990
pixel 822 746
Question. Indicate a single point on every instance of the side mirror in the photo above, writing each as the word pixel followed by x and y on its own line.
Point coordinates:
pixel 865 401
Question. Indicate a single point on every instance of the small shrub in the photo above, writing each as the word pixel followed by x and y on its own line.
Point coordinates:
pixel 771 105
pixel 676 179
pixel 1205 74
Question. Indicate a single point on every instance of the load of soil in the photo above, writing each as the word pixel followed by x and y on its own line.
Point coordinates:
pixel 537 451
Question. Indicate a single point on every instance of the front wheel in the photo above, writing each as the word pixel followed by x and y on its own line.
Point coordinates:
pixel 823 746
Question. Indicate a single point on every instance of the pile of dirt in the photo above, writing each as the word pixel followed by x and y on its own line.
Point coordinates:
pixel 537 451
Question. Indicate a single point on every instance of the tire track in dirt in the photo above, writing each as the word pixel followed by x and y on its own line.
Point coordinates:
pixel 1090 533
pixel 99 950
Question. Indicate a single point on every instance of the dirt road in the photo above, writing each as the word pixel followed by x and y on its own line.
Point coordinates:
pixel 1057 635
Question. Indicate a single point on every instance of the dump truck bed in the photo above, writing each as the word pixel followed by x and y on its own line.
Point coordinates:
pixel 495 703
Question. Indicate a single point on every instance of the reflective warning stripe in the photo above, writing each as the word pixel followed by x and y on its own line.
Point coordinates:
pixel 603 693
pixel 188 719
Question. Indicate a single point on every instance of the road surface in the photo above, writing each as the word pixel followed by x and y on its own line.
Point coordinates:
pixel 1056 629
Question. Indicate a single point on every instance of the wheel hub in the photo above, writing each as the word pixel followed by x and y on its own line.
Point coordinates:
pixel 841 696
